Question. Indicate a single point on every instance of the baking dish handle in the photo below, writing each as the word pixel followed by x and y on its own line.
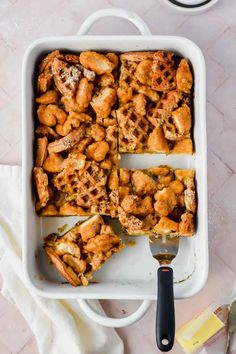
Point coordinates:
pixel 114 12
pixel 114 322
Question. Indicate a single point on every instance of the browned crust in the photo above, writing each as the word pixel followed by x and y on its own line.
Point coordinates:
pixel 137 56
pixel 41 152
pixel 65 271
pixel 67 141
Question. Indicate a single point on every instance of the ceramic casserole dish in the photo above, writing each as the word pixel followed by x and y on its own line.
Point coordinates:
pixel 132 273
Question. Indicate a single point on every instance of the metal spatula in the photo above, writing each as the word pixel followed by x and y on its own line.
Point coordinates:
pixel 164 249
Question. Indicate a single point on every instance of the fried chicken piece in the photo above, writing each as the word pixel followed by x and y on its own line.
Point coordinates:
pixel 48 97
pixel 97 151
pixel 91 227
pixel 103 101
pixel 186 226
pixel 157 141
pixel 97 62
pixel 67 141
pixel 143 184
pixel 50 115
pixel 84 93
pixel 166 226
pixel 165 201
pixel 43 130
pixel 184 77
pixel 124 176
pixel 134 205
pixel 144 73
pixel 182 119
pixel 184 146
pixel 41 151
pixel 41 184
pixel 53 163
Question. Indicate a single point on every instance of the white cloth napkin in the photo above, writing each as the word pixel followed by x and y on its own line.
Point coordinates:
pixel 59 326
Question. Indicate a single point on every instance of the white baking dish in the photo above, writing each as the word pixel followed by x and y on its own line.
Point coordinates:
pixel 132 273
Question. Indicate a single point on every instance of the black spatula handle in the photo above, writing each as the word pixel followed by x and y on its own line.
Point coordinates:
pixel 165 320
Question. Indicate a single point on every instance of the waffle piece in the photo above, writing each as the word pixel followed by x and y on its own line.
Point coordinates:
pixel 83 249
pixel 86 186
pixel 45 71
pixel 66 77
pixel 164 71
pixel 133 129
pixel 158 200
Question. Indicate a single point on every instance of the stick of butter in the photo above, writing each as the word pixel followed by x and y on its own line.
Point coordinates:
pixel 196 332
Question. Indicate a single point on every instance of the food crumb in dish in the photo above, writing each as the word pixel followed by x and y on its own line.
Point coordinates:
pixel 62 228
pixel 131 243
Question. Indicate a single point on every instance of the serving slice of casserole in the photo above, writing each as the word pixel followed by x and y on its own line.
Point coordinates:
pixel 83 249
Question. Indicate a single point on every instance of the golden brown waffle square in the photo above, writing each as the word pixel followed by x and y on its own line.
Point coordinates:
pixel 164 71
pixel 83 250
pixel 154 113
pixel 158 200
pixel 77 145
pixel 86 186
pixel 133 129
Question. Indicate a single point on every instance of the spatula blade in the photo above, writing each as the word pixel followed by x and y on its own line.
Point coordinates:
pixel 164 248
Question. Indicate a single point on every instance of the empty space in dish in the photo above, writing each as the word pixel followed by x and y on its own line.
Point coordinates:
pixel 130 274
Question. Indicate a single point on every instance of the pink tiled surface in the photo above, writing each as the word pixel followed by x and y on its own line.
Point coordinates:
pixel 22 21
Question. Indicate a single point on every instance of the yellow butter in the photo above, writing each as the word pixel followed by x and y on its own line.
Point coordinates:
pixel 197 331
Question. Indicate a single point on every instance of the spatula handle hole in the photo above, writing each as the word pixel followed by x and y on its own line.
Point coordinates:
pixel 165 341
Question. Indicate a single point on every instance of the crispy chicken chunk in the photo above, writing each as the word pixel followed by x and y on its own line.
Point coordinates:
pixel 48 97
pixel 134 205
pixel 97 62
pixel 182 119
pixel 165 201
pixel 84 93
pixel 53 163
pixel 50 115
pixel 184 77
pixel 67 141
pixel 97 151
pixel 102 102
pixel 157 141
pixel 186 226
pixel 41 183
pixel 143 184
pixel 91 227
pixel 166 226
pixel 41 151
pixel 184 146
